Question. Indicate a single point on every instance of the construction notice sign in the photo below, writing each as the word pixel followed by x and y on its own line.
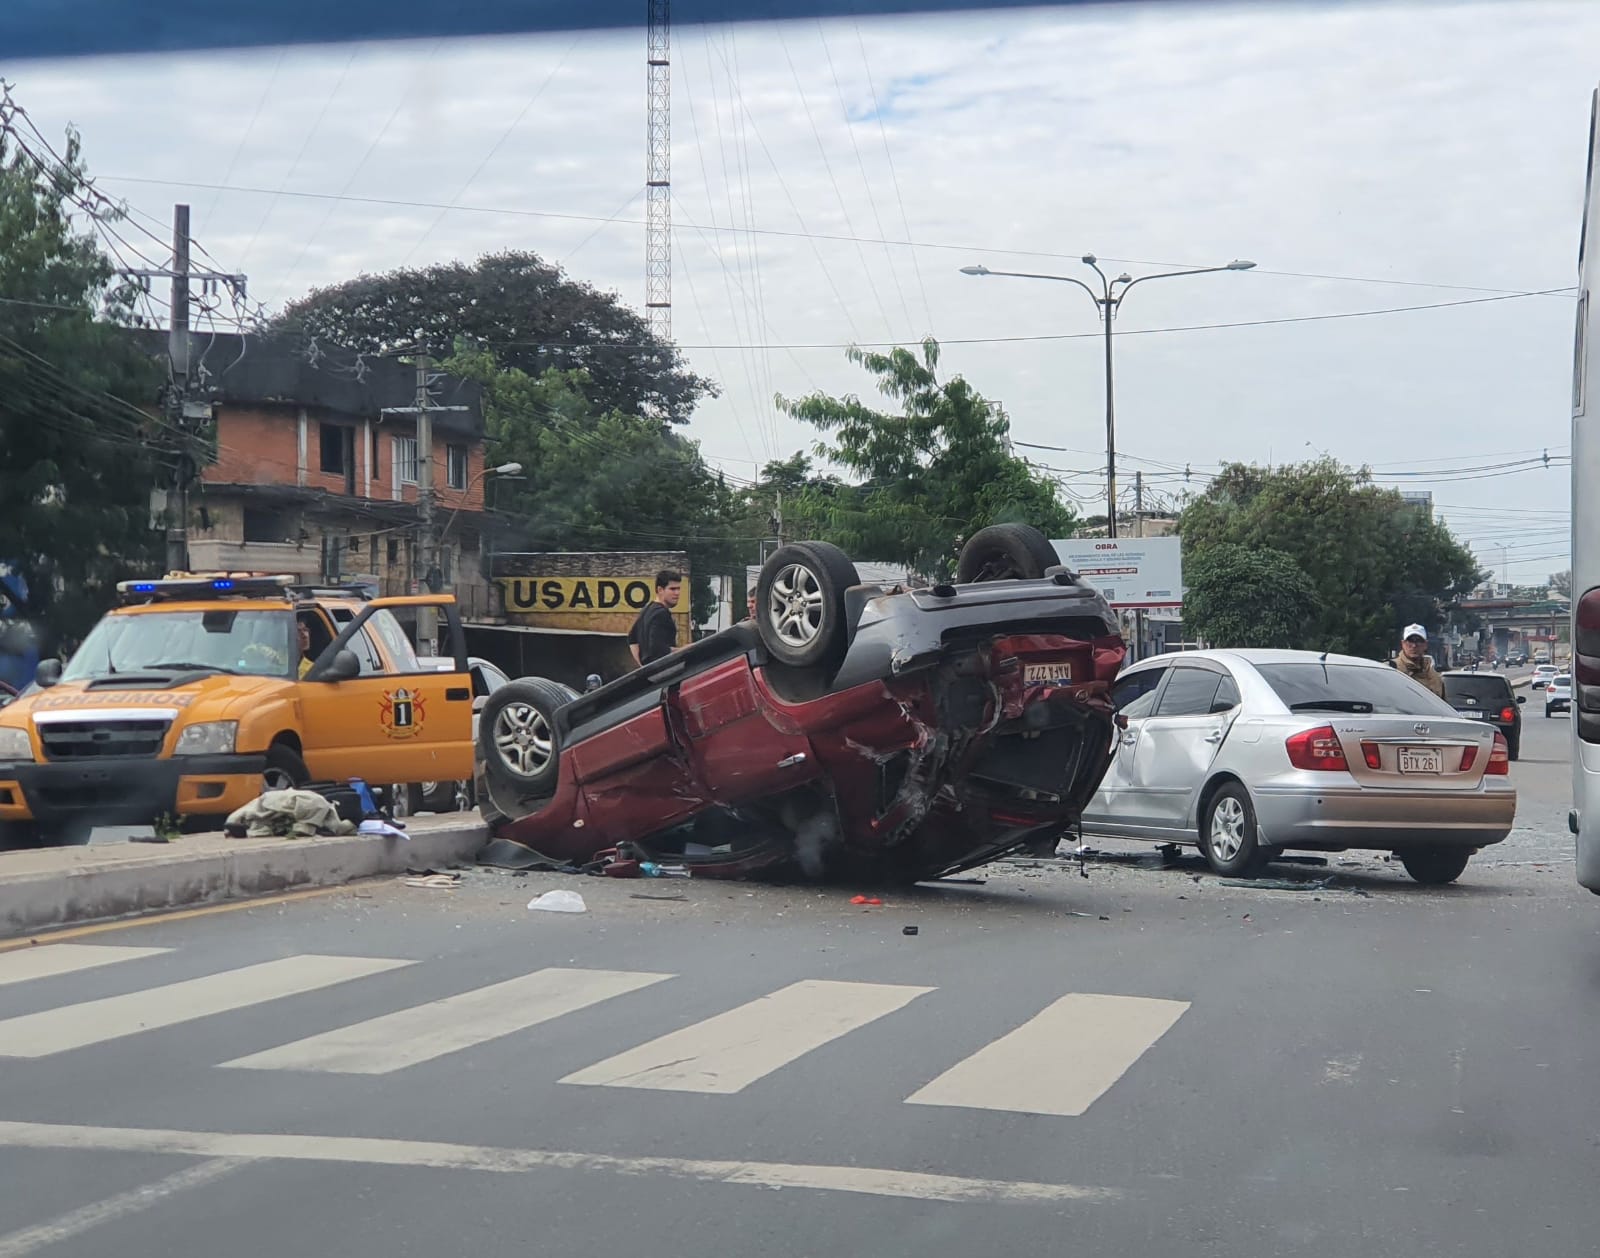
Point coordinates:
pixel 1133 572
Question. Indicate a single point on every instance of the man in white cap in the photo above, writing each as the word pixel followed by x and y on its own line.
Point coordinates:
pixel 1415 662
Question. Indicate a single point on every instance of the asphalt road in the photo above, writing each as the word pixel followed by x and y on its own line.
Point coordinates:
pixel 1143 1061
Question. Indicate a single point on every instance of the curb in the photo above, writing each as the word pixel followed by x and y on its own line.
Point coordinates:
pixel 90 887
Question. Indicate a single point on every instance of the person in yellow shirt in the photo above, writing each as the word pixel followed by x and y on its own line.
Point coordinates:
pixel 305 648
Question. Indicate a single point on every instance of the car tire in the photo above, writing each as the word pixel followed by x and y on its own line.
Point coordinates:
pixel 1228 834
pixel 16 836
pixel 435 797
pixel 1435 866
pixel 517 734
pixel 1005 552
pixel 1514 747
pixel 800 603
pixel 285 769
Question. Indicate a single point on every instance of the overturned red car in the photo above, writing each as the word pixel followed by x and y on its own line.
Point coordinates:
pixel 848 732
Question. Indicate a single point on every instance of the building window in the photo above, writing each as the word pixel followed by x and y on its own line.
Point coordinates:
pixel 405 460
pixel 457 456
pixel 394 552
pixel 262 524
pixel 337 447
pixel 374 464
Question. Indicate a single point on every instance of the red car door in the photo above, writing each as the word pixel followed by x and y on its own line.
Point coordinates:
pixel 740 747
pixel 634 775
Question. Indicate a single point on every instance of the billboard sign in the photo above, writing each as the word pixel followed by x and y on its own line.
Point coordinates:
pixel 1130 571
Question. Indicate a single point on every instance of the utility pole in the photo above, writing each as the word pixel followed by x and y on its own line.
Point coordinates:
pixel 184 412
pixel 427 617
pixel 178 353
pixel 1138 525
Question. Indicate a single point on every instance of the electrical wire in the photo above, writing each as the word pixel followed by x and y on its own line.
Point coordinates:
pixel 806 234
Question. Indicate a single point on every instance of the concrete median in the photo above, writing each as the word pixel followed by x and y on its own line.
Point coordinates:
pixel 54 887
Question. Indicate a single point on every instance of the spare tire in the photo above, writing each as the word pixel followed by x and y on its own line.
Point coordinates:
pixel 800 603
pixel 517 733
pixel 1005 552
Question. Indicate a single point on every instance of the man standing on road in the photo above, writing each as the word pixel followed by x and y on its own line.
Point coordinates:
pixel 1415 662
pixel 655 634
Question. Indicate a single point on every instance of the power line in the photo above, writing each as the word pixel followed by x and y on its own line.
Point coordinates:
pixel 805 234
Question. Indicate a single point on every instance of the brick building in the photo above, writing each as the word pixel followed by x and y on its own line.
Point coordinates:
pixel 315 474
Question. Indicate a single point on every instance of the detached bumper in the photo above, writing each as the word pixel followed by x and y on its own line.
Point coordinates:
pixel 116 791
pixel 1301 816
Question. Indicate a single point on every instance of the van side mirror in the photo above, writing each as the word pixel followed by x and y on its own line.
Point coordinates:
pixel 47 673
pixel 1522 698
pixel 343 667
pixel 1122 720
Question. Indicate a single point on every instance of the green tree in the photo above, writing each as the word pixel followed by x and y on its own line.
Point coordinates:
pixel 1561 582
pixel 928 475
pixel 1375 563
pixel 599 479
pixel 1241 597
pixel 75 461
pixel 524 309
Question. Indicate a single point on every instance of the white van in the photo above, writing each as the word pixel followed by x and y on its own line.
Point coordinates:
pixel 1585 816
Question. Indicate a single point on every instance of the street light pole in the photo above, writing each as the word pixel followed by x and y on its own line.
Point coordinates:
pixel 1109 300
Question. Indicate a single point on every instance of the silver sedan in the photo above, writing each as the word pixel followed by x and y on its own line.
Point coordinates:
pixel 1248 753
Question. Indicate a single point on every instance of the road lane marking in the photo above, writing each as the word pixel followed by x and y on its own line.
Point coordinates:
pixel 727 1053
pixel 867 1180
pixel 96 1021
pixel 424 1032
pixel 26 1241
pixel 49 960
pixel 1060 1061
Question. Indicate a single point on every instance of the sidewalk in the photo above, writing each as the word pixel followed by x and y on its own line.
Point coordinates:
pixel 49 888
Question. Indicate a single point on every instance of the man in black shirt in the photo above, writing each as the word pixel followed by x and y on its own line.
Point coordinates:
pixel 655 634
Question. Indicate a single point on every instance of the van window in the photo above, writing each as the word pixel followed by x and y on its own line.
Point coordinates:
pixel 395 643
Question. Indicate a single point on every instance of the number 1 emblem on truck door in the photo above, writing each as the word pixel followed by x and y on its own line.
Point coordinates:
pixel 402 713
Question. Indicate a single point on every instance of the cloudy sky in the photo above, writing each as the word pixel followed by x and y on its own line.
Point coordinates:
pixel 829 180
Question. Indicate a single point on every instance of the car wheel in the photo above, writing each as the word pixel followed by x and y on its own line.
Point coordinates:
pixel 800 603
pixel 1228 834
pixel 1005 552
pixel 1435 866
pixel 1514 746
pixel 18 835
pixel 517 733
pixel 285 770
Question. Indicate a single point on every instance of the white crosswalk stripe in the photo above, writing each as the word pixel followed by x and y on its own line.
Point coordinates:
pixel 97 1021
pixel 1059 1062
pixel 424 1032
pixel 51 960
pixel 729 1052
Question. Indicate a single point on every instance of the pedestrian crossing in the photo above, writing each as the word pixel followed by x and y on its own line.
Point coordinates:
pixel 1058 1062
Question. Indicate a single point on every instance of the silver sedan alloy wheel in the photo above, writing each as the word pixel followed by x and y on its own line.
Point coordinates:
pixel 1227 829
pixel 523 738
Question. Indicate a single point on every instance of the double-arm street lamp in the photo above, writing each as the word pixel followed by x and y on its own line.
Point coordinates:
pixel 1109 300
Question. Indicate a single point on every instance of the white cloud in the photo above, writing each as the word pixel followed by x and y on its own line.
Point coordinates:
pixel 1438 143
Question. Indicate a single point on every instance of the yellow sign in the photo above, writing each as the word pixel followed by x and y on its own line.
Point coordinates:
pixel 552 596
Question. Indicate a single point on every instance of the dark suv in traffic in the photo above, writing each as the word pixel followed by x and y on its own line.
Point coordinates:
pixel 1488 697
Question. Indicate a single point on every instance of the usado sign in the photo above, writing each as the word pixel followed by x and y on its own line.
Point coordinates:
pixel 546 596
